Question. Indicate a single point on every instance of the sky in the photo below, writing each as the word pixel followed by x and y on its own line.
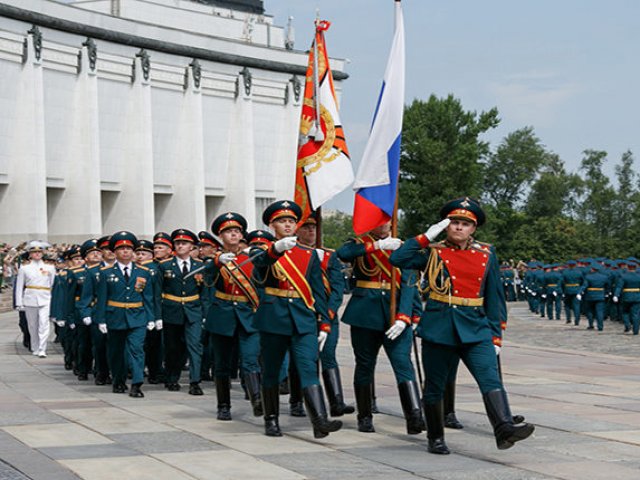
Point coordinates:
pixel 570 68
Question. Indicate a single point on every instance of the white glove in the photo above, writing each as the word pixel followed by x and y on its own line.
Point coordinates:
pixel 497 349
pixel 151 325
pixel 434 230
pixel 225 258
pixel 414 326
pixel 322 338
pixel 158 324
pixel 534 294
pixel 284 244
pixel 578 297
pixel 60 323
pixel 395 331
pixel 247 250
pixel 102 327
pixel 555 294
pixel 544 295
pixel 615 299
pixel 72 326
pixel 20 308
pixel 389 243
pixel 86 321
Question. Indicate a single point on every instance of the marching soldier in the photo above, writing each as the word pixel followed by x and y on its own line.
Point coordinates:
pixel 125 307
pixel 334 286
pixel 572 279
pixel 553 290
pixel 58 314
pixel 462 319
pixel 33 295
pixel 207 249
pixel 368 314
pixel 292 310
pixel 594 290
pixel 627 290
pixel 230 318
pixel 182 312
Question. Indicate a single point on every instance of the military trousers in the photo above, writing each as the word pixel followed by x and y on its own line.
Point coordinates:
pixel 440 360
pixel 595 310
pixel 85 354
pixel 304 352
pixel 631 315
pixel 572 306
pixel 554 303
pixel 100 358
pixel 153 353
pixel 328 353
pixel 366 345
pixel 126 350
pixel 178 340
pixel 223 347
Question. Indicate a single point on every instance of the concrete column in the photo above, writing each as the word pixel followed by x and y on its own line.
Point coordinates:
pixel 290 128
pixel 78 213
pixel 134 207
pixel 241 184
pixel 186 208
pixel 23 208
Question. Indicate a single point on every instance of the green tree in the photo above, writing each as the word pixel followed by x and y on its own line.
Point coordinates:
pixel 336 229
pixel 441 158
pixel 626 207
pixel 555 193
pixel 513 167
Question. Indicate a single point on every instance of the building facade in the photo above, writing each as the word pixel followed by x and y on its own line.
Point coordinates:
pixel 143 115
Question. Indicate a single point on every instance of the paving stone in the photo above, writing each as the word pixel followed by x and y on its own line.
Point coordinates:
pixel 164 442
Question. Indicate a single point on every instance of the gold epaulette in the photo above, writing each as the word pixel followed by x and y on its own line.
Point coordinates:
pixel 106 267
pixel 326 249
pixel 62 273
pixel 166 260
pixel 77 269
pixel 143 267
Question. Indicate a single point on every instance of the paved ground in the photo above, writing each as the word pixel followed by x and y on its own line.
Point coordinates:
pixel 581 388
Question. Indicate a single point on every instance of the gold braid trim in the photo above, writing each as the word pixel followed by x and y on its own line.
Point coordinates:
pixel 435 269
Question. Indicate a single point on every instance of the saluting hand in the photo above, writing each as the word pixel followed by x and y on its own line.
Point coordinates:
pixel 434 230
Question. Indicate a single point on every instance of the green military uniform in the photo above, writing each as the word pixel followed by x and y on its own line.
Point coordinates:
pixel 572 279
pixel 179 300
pixel 463 320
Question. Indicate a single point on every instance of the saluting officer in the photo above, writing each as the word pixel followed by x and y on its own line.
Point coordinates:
pixel 334 286
pixel 463 318
pixel 368 314
pixel 182 313
pixel 292 310
pixel 230 318
pixel 125 307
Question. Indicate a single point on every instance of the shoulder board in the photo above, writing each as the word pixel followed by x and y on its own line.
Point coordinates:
pixel 436 244
pixel 484 244
pixel 484 247
pixel 106 267
pixel 95 267
pixel 77 269
pixel 196 261
pixel 330 250
pixel 142 267
pixel 304 247
pixel 62 273
pixel 166 260
pixel 146 262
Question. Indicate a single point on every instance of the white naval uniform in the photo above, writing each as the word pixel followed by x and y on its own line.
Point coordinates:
pixel 33 292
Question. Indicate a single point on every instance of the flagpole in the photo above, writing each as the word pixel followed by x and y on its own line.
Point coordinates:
pixel 319 228
pixel 319 135
pixel 394 223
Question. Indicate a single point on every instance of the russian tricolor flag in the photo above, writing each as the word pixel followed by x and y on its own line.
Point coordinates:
pixel 377 178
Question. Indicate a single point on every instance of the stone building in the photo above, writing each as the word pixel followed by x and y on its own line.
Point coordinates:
pixel 143 115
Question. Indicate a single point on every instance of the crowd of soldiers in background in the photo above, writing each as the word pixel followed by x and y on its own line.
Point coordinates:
pixel 596 288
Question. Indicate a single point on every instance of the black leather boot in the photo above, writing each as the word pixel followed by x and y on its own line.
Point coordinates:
pixel 296 405
pixel 410 401
pixel 333 386
pixel 223 392
pixel 252 380
pixel 374 404
pixel 363 401
pixel 505 431
pixel 435 428
pixel 322 426
pixel 450 419
pixel 271 404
